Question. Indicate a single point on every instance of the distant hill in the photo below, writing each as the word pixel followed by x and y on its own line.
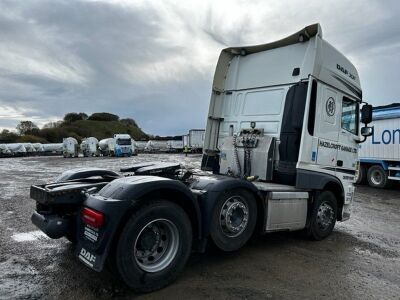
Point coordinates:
pixel 86 128
pixel 79 126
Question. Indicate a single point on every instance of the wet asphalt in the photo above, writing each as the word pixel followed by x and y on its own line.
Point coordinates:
pixel 360 260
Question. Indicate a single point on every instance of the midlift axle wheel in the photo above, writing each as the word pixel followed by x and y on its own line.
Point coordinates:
pixel 234 219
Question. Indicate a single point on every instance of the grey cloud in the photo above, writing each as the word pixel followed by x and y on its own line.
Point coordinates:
pixel 145 62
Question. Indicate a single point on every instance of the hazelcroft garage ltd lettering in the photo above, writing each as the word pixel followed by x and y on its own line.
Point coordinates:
pixel 337 147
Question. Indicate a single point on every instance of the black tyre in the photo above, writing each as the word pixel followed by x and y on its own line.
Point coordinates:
pixel 377 177
pixel 362 175
pixel 154 246
pixel 323 216
pixel 234 219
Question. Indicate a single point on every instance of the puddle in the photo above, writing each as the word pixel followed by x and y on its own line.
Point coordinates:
pixel 29 236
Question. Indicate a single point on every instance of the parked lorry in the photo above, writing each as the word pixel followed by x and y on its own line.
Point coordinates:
pixel 90 147
pixel 380 156
pixel 282 155
pixel 119 145
pixel 196 139
pixel 70 147
pixel 123 145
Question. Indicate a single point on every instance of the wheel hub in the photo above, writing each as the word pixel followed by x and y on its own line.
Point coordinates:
pixel 156 245
pixel 234 216
pixel 376 178
pixel 325 216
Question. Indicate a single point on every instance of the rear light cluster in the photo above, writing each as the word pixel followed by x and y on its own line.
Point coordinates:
pixel 92 217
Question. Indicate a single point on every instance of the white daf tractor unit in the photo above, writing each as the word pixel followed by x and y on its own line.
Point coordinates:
pixel 281 141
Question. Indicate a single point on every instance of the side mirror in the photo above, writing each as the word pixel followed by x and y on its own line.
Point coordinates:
pixel 366 114
pixel 367 131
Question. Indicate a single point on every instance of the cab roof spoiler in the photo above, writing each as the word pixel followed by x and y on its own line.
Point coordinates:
pixel 301 36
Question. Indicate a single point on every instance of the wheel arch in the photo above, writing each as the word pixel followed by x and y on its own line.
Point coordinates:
pixel 187 202
pixel 215 186
pixel 319 182
pixel 337 189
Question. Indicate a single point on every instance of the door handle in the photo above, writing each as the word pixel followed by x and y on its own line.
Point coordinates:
pixel 339 163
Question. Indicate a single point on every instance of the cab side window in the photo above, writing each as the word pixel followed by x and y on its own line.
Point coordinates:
pixel 350 115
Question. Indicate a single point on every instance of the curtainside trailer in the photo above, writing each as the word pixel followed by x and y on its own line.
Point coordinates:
pixel 280 154
pixel 380 156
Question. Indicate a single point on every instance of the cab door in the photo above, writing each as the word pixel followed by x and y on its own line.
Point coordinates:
pixel 349 123
pixel 327 126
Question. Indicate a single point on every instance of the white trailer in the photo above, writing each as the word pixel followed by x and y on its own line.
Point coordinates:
pixel 140 145
pixel 70 147
pixel 186 141
pixel 4 151
pixel 38 147
pixel 196 139
pixel 17 149
pixel 30 149
pixel 175 145
pixel 380 156
pixel 53 149
pixel 90 147
pixel 106 146
pixel 156 146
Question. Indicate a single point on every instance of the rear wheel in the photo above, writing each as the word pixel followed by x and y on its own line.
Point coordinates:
pixel 234 219
pixel 154 246
pixel 323 216
pixel 377 177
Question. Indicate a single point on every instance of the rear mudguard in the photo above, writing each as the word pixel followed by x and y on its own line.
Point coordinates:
pixel 85 173
pixel 211 188
pixel 115 201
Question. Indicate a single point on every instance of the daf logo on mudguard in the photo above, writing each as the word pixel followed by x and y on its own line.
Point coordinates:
pixel 330 106
pixel 87 257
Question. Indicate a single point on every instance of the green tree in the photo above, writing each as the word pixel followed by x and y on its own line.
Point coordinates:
pixel 6 136
pixel 103 116
pixel 73 117
pixel 27 127
pixel 129 121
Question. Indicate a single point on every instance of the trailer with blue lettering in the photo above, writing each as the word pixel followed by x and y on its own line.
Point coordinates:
pixel 380 156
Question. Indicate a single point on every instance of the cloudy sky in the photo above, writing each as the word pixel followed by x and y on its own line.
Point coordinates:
pixel 154 60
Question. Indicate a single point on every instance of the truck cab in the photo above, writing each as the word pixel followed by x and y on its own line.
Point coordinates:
pixel 301 94
pixel 123 145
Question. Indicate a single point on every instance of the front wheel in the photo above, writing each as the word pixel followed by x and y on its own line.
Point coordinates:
pixel 154 246
pixel 323 216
